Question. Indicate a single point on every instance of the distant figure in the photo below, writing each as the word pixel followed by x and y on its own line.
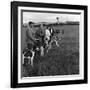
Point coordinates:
pixel 58 20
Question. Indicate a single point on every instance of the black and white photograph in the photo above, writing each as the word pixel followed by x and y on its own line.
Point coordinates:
pixel 50 44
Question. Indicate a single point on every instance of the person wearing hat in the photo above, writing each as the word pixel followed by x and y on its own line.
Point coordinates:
pixel 30 33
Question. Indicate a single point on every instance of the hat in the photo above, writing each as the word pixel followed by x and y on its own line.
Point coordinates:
pixel 30 23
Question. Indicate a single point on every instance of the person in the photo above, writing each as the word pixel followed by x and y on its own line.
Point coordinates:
pixel 40 35
pixel 47 36
pixel 30 34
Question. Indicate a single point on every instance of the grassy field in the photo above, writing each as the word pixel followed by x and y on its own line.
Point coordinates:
pixel 63 60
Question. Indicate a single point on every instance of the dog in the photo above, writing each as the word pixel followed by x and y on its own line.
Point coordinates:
pixel 53 37
pixel 29 54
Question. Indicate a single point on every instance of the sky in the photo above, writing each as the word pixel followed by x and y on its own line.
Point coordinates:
pixel 48 17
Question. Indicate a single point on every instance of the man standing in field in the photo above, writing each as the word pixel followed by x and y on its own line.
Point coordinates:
pixel 30 34
pixel 47 35
pixel 40 35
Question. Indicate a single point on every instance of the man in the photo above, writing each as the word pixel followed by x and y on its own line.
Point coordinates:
pixel 30 34
pixel 27 35
pixel 47 36
pixel 40 35
pixel 31 45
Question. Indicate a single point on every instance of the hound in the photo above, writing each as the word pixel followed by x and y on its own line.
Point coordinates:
pixel 29 54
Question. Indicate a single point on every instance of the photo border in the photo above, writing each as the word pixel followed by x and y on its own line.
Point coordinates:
pixel 14 43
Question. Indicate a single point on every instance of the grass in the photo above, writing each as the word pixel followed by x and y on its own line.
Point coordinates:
pixel 63 60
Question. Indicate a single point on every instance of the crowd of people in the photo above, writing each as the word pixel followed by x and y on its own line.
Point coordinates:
pixel 38 41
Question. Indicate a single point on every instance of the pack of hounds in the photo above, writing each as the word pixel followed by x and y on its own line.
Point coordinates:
pixel 41 45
